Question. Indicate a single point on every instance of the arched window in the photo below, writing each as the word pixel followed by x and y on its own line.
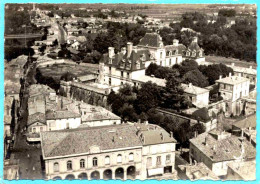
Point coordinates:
pixel 95 161
pixel 82 163
pixel 107 160
pixel 69 165
pixel 131 157
pixel 119 158
pixel 56 167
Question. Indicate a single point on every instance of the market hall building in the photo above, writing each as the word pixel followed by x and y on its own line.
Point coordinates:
pixel 110 152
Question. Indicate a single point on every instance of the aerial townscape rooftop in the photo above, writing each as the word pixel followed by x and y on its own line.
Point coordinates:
pixel 130 91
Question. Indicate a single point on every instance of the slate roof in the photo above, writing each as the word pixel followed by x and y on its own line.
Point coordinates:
pixel 150 40
pixel 36 117
pixel 226 149
pixel 79 141
pixel 194 46
pixel 180 48
pixel 121 61
pixel 62 114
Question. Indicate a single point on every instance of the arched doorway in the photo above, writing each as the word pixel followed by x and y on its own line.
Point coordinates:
pixel 107 175
pixel 83 176
pixel 70 177
pixel 95 175
pixel 119 174
pixel 57 178
pixel 131 172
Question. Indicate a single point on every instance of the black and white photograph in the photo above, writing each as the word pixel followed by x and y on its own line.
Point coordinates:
pixel 130 91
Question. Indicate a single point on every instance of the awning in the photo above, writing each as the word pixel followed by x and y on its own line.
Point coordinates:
pixel 157 171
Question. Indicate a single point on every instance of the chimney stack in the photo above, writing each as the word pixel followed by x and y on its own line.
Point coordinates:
pixel 171 134
pixel 220 77
pixel 230 74
pixel 129 48
pixel 195 39
pixel 111 52
pixel 175 42
pixel 190 85
pixel 233 64
pixel 250 67
pixel 123 50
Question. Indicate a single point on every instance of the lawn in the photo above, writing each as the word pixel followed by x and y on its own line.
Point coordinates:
pixel 229 61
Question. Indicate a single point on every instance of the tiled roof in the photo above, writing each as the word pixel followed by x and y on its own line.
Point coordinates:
pixel 246 122
pixel 232 80
pixel 80 141
pixel 239 69
pixel 62 114
pixel 150 40
pixel 36 89
pixel 36 117
pixel 153 134
pixel 247 170
pixel 195 90
pixel 146 78
pixel 222 149
pixel 198 171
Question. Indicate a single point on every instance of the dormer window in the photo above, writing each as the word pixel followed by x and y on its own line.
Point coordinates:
pixel 168 53
pixel 175 52
pixel 200 53
pixel 193 54
pixel 142 57
pixel 187 53
pixel 137 65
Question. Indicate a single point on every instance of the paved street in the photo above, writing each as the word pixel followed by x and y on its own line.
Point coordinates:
pixel 29 156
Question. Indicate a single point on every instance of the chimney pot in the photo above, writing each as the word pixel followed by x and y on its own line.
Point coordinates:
pixel 250 67
pixel 230 74
pixel 195 39
pixel 123 50
pixel 220 77
pixel 111 52
pixel 129 48
pixel 175 42
pixel 233 64
pixel 190 85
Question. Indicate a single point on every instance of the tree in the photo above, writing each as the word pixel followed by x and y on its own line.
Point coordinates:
pixel 173 96
pixel 148 97
pixel 196 78
pixel 186 66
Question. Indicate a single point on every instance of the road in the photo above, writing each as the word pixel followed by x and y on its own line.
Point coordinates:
pixel 62 35
pixel 29 156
